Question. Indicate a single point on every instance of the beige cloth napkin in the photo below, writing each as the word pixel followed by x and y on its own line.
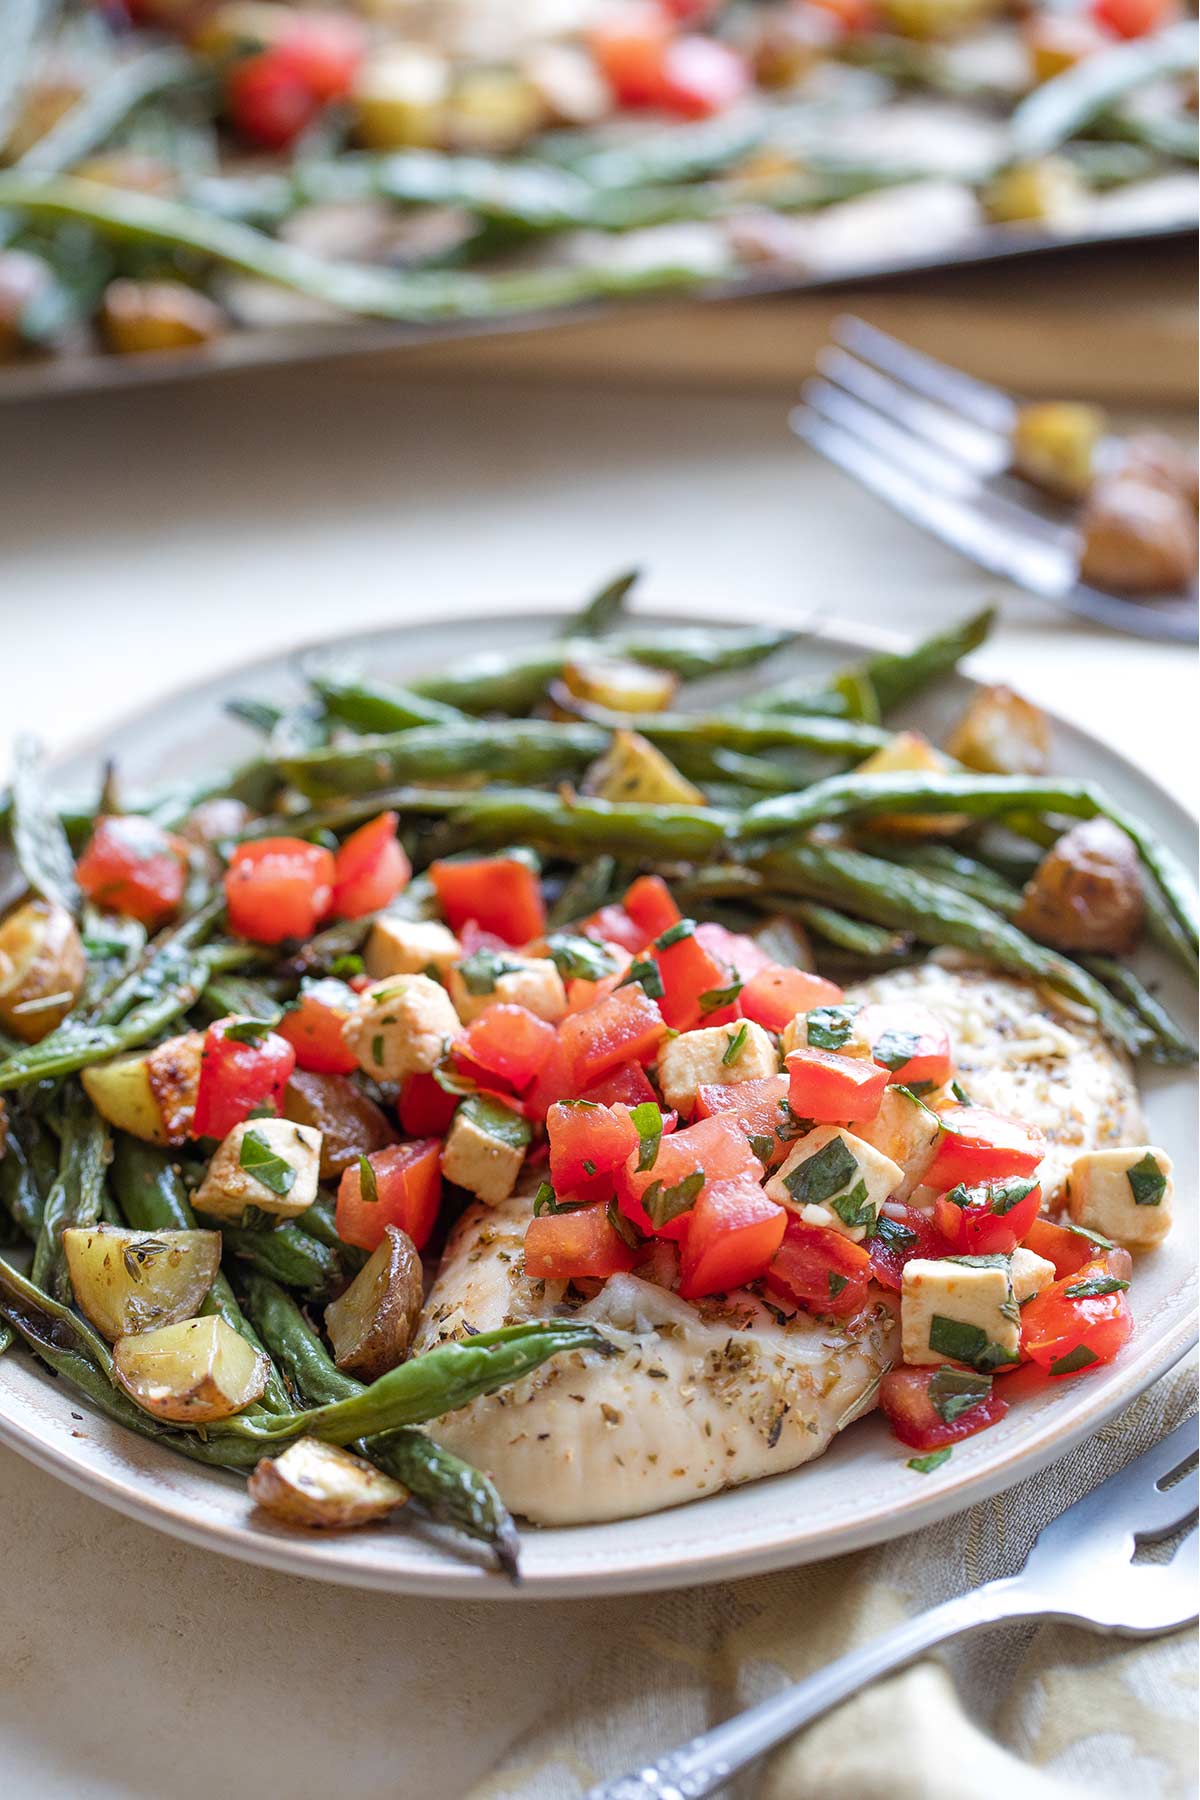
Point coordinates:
pixel 1021 1712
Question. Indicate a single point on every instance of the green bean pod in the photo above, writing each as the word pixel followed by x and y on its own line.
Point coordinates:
pixel 76 1198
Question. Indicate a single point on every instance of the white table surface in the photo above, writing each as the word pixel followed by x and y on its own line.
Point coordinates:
pixel 148 536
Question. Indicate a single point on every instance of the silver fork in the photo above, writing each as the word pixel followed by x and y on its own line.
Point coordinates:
pixel 930 441
pixel 1080 1569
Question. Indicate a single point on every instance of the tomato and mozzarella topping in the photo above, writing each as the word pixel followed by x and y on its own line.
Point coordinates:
pixel 1127 1194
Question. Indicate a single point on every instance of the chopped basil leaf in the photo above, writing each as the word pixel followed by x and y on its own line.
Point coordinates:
pixel 829 1027
pixel 483 969
pixel 997 1197
pixel 960 1093
pixel 674 934
pixel 854 1208
pixel 925 1465
pixel 545 1202
pixel 377 1056
pixel 448 1077
pixel 1079 1358
pixel 966 1343
pixel 579 958
pixel 1093 1237
pixel 646 971
pixel 715 998
pixel 820 1176
pixel 1147 1182
pixel 666 1203
pixel 1098 1286
pixel 249 1031
pixel 266 1165
pixel 647 1121
pixel 953 1392
pixel 496 1121
pixel 791 1125
pixel 892 1233
pixel 917 1088
pixel 763 1145
pixel 589 1167
pixel 734 1047
pixel 993 1260
pixel 625 1229
pixel 368 1187
pixel 895 1048
pixel 347 966
pixel 836 1283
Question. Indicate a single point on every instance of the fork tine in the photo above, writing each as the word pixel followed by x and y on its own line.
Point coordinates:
pixel 984 452
pixel 987 406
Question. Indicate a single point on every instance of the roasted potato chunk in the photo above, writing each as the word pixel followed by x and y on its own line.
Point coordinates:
pixel 492 110
pixel 634 769
pixel 41 969
pixel 371 1324
pixel 137 316
pixel 152 1095
pixel 618 686
pixel 1086 893
pixel 323 1487
pixel 910 752
pixel 1054 445
pixel 351 1125
pixel 131 1281
pixel 1001 734
pixel 1047 192
pixel 400 98
pixel 1137 536
pixel 191 1373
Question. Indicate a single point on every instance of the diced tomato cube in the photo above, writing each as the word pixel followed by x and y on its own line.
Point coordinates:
pixel 1067 1247
pixel 650 905
pixel 733 1231
pixel 701 76
pixel 629 1084
pixel 716 1148
pixel 511 1042
pixel 833 1089
pixel 691 977
pixel 326 49
pixel 277 888
pixel 132 866
pixel 626 1026
pixel 850 16
pixel 238 1075
pixel 909 1400
pixel 1134 18
pixel 909 1041
pixel 370 869
pixel 901 1233
pixel 313 1027
pixel 760 1108
pixel 1080 1322
pixel 734 950
pixel 629 46
pixel 582 993
pixel 408 1186
pixel 501 893
pixel 990 1219
pixel 613 925
pixel 425 1108
pixel 472 937
pixel 587 1140
pixel 561 1246
pixel 268 100
pixel 979 1145
pixel 775 994
pixel 822 1270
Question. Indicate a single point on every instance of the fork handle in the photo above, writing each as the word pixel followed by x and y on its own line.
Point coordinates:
pixel 708 1761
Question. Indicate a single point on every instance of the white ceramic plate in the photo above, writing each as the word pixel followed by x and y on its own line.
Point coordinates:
pixel 858 1493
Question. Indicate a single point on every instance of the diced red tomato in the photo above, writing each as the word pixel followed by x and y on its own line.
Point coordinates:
pixel 979 1145
pixel 624 1027
pixel 556 1082
pixel 822 1270
pixel 900 1234
pixel 587 1140
pixel 990 1219
pixel 370 869
pixel 629 1084
pixel 472 937
pixel 501 893
pixel 908 1398
pixel 268 100
pixel 511 1042
pixel 408 1185
pixel 1134 18
pixel 691 12
pixel 425 1108
pixel 716 1147
pixel 689 973
pixel 733 1231
pixel 133 867
pixel 1068 1333
pixel 326 49
pixel 833 1089
pixel 760 1108
pixel 734 949
pixel 701 76
pixel 649 903
pixel 910 1041
pixel 613 925
pixel 313 1027
pixel 582 993
pixel 277 888
pixel 1067 1249
pixel 237 1077
pixel 849 16
pixel 561 1246
pixel 629 46
pixel 775 994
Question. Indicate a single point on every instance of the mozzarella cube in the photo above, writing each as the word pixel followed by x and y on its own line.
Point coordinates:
pixel 485 1148
pixel 907 1131
pixel 742 1051
pixel 819 1028
pixel 268 1164
pixel 401 1027
pixel 1127 1195
pixel 489 977
pixel 1030 1273
pixel 410 947
pixel 959 1309
pixel 834 1179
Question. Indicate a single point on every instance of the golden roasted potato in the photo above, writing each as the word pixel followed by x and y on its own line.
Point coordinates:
pixel 492 110
pixel 1001 734
pixel 1086 893
pixel 131 1281
pixel 137 316
pixel 1057 41
pixel 370 1325
pixel 619 686
pixel 191 1373
pixel 323 1487
pixel 1054 445
pixel 932 19
pixel 909 752
pixel 634 769
pixel 41 969
pixel 131 170
pixel 215 819
pixel 570 87
pixel 400 97
pixel 1049 192
pixel 1137 536
pixel 151 1095
pixel 351 1125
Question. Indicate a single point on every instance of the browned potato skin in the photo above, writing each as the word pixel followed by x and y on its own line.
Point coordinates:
pixel 173 1071
pixel 1086 893
pixel 372 1323
pixel 40 955
pixel 1054 445
pixel 322 1487
pixel 140 316
pixel 1001 734
pixel 351 1125
pixel 1138 536
pixel 1156 457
